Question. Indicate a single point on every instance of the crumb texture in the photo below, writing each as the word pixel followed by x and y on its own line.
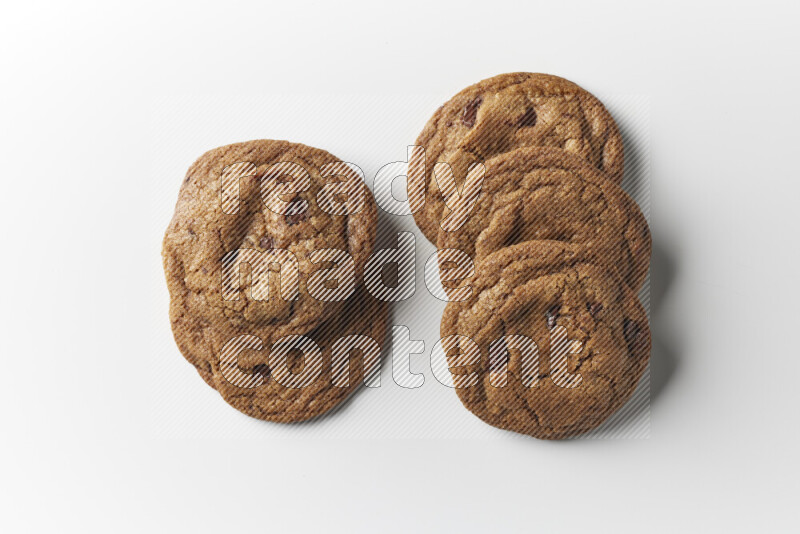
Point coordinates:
pixel 550 293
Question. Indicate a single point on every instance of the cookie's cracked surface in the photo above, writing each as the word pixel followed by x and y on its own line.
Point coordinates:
pixel 271 400
pixel 501 114
pixel 201 233
pixel 550 293
pixel 549 194
pixel 274 400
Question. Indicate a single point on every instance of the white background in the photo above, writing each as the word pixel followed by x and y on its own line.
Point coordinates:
pixel 90 96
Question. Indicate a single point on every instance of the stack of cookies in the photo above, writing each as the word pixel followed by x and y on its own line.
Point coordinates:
pixel 260 217
pixel 558 252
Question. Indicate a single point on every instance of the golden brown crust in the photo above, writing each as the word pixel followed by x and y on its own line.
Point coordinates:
pixel 506 112
pixel 273 401
pixel 362 315
pixel 549 194
pixel 535 289
pixel 202 232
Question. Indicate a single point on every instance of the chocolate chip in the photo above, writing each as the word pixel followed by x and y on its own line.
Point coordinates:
pixel 265 242
pixel 470 112
pixel 594 308
pixel 296 212
pixel 528 118
pixel 191 232
pixel 633 335
pixel 552 315
pixel 263 370
pixel 297 218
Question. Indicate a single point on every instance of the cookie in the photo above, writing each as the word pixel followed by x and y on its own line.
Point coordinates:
pixel 276 205
pixel 245 373
pixel 591 335
pixel 501 114
pixel 549 194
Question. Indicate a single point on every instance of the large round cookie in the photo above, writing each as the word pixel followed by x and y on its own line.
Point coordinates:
pixel 292 398
pixel 549 194
pixel 591 333
pixel 503 113
pixel 201 233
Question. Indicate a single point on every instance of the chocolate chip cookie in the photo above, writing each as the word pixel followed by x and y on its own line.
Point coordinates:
pixel 293 381
pixel 549 194
pixel 246 248
pixel 558 342
pixel 503 113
